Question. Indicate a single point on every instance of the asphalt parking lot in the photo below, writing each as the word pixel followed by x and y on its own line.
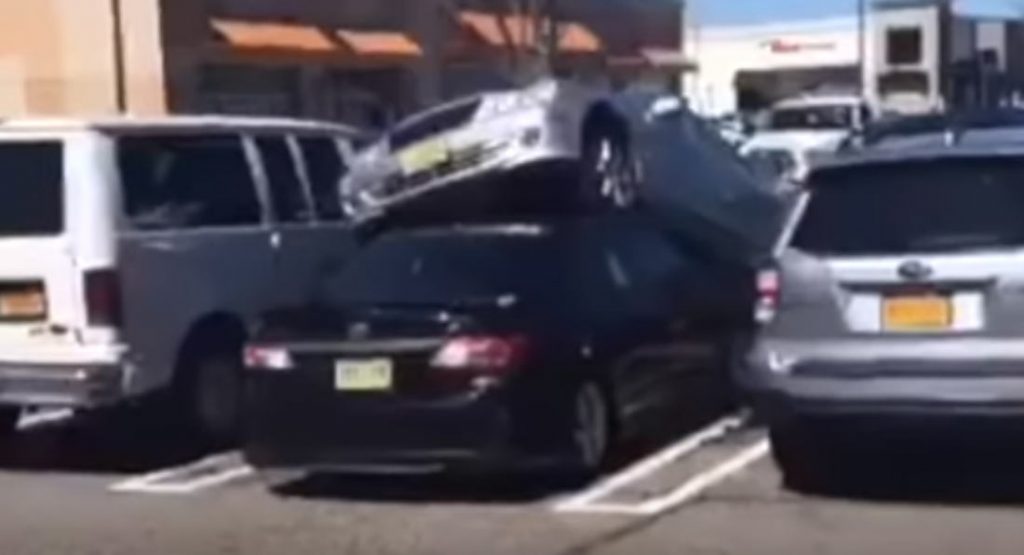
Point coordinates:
pixel 85 487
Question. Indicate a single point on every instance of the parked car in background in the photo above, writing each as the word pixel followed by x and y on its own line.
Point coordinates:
pixel 896 299
pixel 560 143
pixel 137 250
pixel 534 345
pixel 798 130
pixel 735 128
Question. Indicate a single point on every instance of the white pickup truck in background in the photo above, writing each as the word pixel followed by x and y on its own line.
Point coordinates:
pixel 801 128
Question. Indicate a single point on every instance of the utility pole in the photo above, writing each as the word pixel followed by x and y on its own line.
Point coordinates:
pixel 120 87
pixel 548 34
pixel 862 19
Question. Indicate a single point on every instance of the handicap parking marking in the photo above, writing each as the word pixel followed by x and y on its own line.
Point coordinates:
pixel 210 472
pixel 600 498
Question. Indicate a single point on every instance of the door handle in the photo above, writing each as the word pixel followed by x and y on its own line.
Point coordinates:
pixel 275 240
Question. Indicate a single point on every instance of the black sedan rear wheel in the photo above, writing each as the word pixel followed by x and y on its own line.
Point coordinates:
pixel 591 430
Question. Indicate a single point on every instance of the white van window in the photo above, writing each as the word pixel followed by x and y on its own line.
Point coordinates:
pixel 33 199
pixel 326 169
pixel 175 182
pixel 286 192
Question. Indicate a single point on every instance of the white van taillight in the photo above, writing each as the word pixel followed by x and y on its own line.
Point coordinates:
pixel 483 354
pixel 103 298
pixel 769 290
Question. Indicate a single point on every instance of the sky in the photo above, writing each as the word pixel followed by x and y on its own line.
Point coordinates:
pixel 710 12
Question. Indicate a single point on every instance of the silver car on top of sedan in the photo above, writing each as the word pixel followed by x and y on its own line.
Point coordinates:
pixel 550 122
pixel 558 147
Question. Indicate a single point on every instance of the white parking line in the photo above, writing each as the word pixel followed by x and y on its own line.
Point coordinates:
pixel 44 418
pixel 686 492
pixel 209 472
pixel 700 483
pixel 650 465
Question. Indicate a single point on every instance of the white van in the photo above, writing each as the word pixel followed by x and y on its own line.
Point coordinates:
pixel 133 253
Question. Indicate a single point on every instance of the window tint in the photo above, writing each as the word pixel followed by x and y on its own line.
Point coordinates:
pixel 325 168
pixel 817 117
pixel 33 175
pixel 173 182
pixel 448 266
pixel 915 207
pixel 421 127
pixel 286 192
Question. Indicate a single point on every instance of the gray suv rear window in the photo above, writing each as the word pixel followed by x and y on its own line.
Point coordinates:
pixel 930 206
pixel 33 193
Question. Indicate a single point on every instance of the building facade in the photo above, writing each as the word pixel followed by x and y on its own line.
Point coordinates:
pixel 348 60
pixel 904 56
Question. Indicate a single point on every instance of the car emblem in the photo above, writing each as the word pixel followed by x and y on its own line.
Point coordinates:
pixel 915 270
pixel 359 330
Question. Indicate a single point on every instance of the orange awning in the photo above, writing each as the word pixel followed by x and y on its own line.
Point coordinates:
pixel 247 35
pixel 578 38
pixel 380 43
pixel 657 58
pixel 499 31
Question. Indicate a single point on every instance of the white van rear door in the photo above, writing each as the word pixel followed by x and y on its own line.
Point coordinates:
pixel 43 193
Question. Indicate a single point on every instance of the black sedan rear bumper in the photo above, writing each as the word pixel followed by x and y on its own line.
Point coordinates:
pixel 287 429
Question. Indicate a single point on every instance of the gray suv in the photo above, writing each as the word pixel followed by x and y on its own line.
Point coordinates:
pixel 897 295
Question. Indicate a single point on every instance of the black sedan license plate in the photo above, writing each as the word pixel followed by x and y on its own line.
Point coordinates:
pixel 364 375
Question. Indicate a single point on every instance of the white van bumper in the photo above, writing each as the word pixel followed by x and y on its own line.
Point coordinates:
pixel 78 376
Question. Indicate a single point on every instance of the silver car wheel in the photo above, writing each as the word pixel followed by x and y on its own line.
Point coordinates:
pixel 615 177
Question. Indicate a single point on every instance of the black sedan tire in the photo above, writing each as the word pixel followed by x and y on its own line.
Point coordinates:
pixel 591 431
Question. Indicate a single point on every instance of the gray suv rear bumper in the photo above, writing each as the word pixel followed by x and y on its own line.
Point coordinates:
pixel 871 378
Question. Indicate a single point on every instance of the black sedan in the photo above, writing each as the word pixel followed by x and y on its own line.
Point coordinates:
pixel 490 346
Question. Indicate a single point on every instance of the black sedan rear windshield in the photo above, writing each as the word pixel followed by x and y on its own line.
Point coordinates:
pixel 443 267
pixel 927 206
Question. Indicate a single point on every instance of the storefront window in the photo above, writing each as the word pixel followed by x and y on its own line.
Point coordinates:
pixel 903 46
pixel 250 90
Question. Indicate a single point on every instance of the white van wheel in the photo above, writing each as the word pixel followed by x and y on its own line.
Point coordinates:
pixel 215 396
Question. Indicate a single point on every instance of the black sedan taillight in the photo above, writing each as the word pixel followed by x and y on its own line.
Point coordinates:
pixel 483 354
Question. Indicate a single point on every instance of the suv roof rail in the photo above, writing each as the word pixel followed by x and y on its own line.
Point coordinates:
pixel 952 125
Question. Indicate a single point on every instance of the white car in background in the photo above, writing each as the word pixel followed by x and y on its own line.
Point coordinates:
pixel 799 129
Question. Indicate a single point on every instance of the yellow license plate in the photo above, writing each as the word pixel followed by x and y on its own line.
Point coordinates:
pixel 423 156
pixel 363 375
pixel 925 313
pixel 22 304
